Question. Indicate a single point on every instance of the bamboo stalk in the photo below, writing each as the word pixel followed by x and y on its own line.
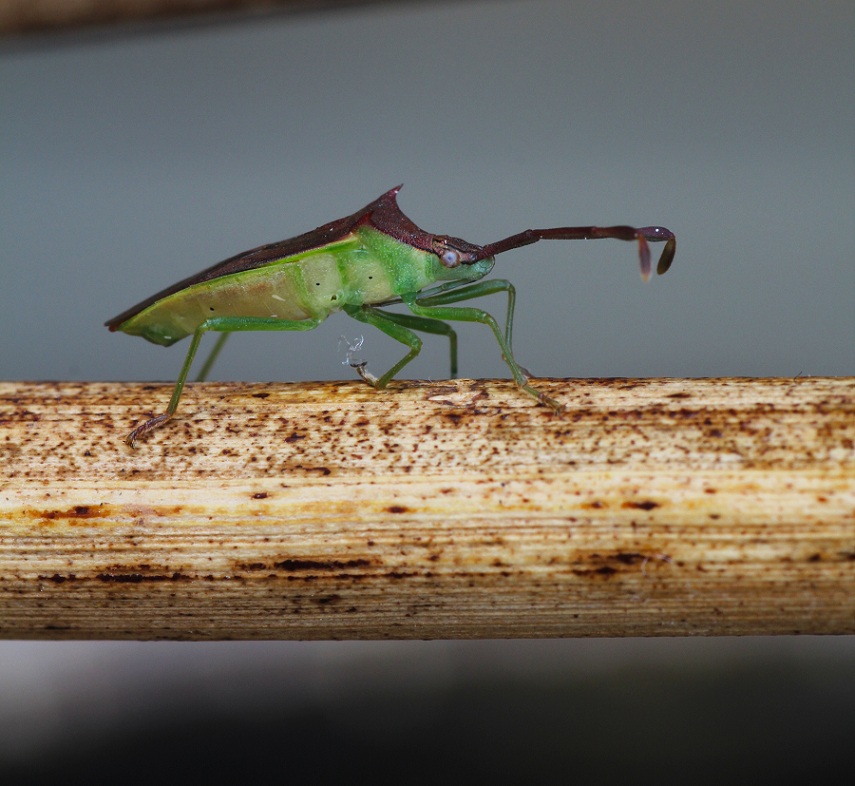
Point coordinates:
pixel 429 510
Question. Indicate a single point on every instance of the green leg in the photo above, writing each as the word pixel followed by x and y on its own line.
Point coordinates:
pixel 212 357
pixel 401 327
pixel 456 293
pixel 223 325
pixel 436 306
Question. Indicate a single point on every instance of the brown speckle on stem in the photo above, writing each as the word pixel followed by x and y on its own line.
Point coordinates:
pixel 649 507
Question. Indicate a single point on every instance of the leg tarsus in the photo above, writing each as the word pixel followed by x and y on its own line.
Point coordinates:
pixel 397 326
pixel 556 406
pixel 366 375
pixel 144 428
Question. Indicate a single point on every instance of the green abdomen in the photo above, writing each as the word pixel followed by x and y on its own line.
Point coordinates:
pixel 363 268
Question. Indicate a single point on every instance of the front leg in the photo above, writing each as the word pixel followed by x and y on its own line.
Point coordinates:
pixel 435 306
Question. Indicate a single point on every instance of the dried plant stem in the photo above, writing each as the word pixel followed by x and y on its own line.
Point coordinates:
pixel 452 509
pixel 35 16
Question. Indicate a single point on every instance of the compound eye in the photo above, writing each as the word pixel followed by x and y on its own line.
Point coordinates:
pixel 450 258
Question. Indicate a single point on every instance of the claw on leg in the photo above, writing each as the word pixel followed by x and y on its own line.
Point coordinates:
pixel 144 428
pixel 366 375
pixel 556 406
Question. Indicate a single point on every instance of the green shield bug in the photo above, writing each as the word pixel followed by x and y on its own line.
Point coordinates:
pixel 358 264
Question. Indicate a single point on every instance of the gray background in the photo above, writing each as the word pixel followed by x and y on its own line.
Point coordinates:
pixel 128 162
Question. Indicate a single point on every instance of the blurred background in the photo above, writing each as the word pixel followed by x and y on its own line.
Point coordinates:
pixel 135 155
